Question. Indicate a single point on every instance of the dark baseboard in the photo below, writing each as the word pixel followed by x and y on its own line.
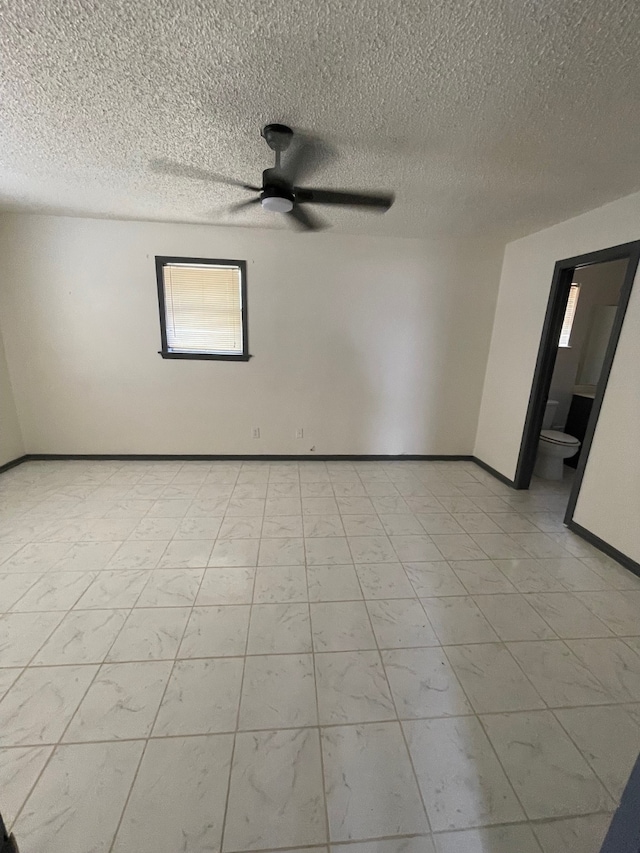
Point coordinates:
pixel 493 472
pixel 8 465
pixel 235 457
pixel 603 546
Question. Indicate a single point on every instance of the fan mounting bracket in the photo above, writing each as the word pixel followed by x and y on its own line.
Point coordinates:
pixel 277 136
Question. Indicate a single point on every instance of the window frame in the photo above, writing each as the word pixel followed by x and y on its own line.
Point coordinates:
pixel 165 352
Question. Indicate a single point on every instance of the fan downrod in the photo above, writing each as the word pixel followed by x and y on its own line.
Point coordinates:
pixel 277 136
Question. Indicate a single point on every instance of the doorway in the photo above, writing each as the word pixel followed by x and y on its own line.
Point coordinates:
pixel 598 333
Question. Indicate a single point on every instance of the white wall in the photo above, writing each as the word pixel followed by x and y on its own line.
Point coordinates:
pixel 370 345
pixel 599 285
pixel 11 445
pixel 609 503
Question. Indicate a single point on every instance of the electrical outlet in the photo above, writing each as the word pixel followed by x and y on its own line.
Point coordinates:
pixel 299 433
pixel 256 432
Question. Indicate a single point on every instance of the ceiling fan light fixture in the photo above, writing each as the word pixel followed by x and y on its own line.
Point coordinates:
pixel 277 204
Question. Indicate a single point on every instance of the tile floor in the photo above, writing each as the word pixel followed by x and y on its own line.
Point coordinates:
pixel 404 657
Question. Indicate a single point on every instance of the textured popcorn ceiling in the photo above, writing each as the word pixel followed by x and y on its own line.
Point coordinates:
pixel 498 117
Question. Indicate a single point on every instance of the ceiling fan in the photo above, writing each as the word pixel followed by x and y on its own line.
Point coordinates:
pixel 279 192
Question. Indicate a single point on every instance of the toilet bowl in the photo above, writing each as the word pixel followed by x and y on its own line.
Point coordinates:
pixel 553 447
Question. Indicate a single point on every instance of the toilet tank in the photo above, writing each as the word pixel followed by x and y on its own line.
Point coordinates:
pixel 549 414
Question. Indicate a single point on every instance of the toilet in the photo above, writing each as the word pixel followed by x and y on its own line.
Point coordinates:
pixel 553 447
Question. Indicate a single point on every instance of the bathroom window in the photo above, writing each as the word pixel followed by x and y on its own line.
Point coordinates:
pixel 569 315
pixel 203 308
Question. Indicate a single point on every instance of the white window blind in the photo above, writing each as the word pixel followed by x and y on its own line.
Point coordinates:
pixel 203 307
pixel 569 314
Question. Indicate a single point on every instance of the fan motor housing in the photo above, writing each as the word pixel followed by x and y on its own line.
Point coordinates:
pixel 277 199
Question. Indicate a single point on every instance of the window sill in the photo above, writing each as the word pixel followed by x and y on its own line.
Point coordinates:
pixel 203 356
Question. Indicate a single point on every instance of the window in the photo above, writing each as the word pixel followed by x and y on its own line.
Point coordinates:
pixel 569 314
pixel 203 310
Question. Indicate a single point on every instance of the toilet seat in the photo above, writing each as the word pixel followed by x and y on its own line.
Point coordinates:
pixel 554 436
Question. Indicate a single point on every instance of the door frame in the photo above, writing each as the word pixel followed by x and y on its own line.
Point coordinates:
pixel 547 352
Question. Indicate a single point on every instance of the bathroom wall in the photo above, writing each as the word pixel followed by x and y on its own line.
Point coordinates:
pixel 11 444
pixel 599 285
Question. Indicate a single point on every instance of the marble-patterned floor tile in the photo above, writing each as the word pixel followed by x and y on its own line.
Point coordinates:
pixel 488 839
pixel 557 674
pixel 333 583
pixel 568 616
pixel 390 503
pixel 289 505
pixel 61 815
pixel 320 505
pixel 419 549
pixel 481 577
pixel 438 522
pixel 323 525
pixel 178 799
pixel 234 552
pixel 19 769
pixel 352 688
pixel 186 554
pixel 216 632
pixel 500 546
pixel 150 529
pixel 202 697
pixel 278 584
pixel 424 684
pixel 527 575
pixel 83 636
pixel 169 508
pixel 384 580
pixel 620 611
pixel 226 586
pixel 341 626
pixel 411 844
pixel 458 620
pixel 462 783
pixel 371 549
pixel 433 579
pixel 513 522
pixel 355 505
pixel 88 556
pixel 210 507
pixel 275 795
pixel 609 738
pixel 38 707
pixel 457 546
pixel 282 527
pixel 240 528
pixel 121 702
pixel 362 525
pixel 327 551
pixel 547 771
pixel 538 545
pixel 279 628
pixel 316 490
pixel 401 524
pixel 36 557
pixel 478 522
pixel 143 554
pixel 111 590
pixel 8 677
pixel 400 623
pixel 22 634
pixel 573 574
pixel 110 529
pixel 492 679
pixel 585 834
pixel 513 618
pixel 424 503
pixel 245 506
pixel 613 574
pixel 613 663
pixel 289 489
pixel 13 587
pixel 54 591
pixel 457 503
pixel 150 634
pixel 361 801
pixel 278 691
pixel 250 490
pixel 281 552
pixel 171 588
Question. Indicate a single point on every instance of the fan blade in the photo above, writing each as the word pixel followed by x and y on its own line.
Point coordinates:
pixel 242 204
pixel 377 201
pixel 178 170
pixel 305 220
pixel 305 156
